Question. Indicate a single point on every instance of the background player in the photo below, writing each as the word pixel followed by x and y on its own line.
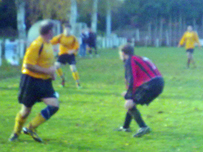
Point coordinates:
pixel 145 83
pixel 92 43
pixel 38 71
pixel 189 39
pixel 67 50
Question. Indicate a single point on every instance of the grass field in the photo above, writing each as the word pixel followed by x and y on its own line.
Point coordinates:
pixel 87 117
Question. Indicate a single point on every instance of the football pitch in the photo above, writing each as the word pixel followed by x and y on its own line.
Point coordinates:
pixel 88 117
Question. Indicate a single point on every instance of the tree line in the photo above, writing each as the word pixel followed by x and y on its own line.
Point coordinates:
pixel 157 19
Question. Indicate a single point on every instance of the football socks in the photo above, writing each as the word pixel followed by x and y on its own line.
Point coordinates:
pixel 19 122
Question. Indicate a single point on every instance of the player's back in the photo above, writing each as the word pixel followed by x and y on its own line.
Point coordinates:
pixel 143 70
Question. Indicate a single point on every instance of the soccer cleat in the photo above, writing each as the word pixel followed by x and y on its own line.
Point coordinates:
pixel 14 137
pixel 63 83
pixel 32 133
pixel 78 86
pixel 142 131
pixel 123 129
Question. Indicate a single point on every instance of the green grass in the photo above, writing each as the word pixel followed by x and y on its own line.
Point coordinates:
pixel 87 117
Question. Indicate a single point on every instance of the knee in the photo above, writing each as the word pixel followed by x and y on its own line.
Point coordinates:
pixel 49 111
pixel 25 113
pixel 57 64
pixel 73 68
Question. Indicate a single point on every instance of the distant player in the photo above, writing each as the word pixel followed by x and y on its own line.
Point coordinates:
pixel 145 83
pixel 38 71
pixel 67 51
pixel 189 39
pixel 92 43
pixel 83 45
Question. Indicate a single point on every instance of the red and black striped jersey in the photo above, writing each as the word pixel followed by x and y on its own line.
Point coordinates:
pixel 139 70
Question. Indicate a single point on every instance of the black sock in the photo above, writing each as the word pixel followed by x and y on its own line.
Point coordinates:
pixel 128 119
pixel 134 112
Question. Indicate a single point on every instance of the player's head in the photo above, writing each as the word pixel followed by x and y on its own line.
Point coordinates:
pixel 46 29
pixel 129 40
pixel 189 28
pixel 90 29
pixel 126 51
pixel 67 28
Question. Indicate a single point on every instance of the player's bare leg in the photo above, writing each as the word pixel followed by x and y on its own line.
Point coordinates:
pixel 192 61
pixel 188 59
pixel 60 73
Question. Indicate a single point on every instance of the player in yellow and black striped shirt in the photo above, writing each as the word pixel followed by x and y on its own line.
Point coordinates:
pixel 68 47
pixel 38 71
pixel 189 39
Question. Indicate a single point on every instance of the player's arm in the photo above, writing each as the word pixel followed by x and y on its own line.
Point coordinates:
pixel 130 81
pixel 197 39
pixel 31 58
pixel 182 40
pixel 75 46
pixel 55 40
pixel 38 69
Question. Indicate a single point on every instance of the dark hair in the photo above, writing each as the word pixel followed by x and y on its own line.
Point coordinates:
pixel 128 50
pixel 67 25
pixel 45 27
pixel 129 40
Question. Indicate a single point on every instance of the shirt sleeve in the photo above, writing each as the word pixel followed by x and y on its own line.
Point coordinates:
pixel 32 54
pixel 75 44
pixel 182 41
pixel 129 79
pixel 197 38
pixel 55 40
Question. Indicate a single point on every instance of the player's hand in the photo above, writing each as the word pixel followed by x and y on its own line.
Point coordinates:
pixel 71 52
pixel 129 104
pixel 51 70
pixel 53 77
pixel 124 93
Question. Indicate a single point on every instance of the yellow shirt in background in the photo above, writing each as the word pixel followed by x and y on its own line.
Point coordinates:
pixel 45 59
pixel 67 43
pixel 189 39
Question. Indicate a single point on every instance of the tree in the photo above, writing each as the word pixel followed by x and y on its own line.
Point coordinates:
pixel 20 5
pixel 94 15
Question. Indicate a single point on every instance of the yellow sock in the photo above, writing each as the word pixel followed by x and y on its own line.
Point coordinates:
pixel 38 120
pixel 75 76
pixel 19 122
pixel 59 72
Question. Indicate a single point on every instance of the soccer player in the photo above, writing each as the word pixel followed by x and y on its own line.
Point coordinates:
pixel 145 83
pixel 67 50
pixel 189 39
pixel 92 43
pixel 38 71
pixel 83 37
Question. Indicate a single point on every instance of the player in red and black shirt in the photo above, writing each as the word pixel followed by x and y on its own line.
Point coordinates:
pixel 144 84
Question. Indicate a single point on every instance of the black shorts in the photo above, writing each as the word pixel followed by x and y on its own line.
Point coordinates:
pixel 147 92
pixel 32 90
pixel 190 50
pixel 66 58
